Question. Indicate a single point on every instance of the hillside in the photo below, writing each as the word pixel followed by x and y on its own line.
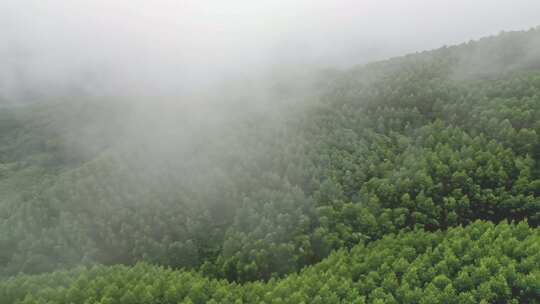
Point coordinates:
pixel 482 263
pixel 410 180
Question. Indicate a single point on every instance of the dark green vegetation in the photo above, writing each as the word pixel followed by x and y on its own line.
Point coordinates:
pixel 482 262
pixel 422 173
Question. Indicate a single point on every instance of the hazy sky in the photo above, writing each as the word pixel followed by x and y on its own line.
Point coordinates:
pixel 160 45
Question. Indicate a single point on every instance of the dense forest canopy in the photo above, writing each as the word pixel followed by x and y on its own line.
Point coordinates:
pixel 410 180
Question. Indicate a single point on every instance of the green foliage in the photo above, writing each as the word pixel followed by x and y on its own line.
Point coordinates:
pixel 481 262
pixel 357 195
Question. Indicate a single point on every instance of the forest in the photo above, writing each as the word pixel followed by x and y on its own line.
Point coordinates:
pixel 409 180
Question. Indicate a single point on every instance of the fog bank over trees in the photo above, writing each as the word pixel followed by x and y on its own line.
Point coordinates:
pixel 169 48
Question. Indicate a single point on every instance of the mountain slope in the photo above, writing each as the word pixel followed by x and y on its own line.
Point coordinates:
pixel 419 143
pixel 482 263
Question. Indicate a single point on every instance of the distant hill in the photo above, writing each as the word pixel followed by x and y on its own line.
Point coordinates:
pixel 410 180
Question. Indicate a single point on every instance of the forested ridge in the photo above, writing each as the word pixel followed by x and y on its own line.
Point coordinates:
pixel 410 180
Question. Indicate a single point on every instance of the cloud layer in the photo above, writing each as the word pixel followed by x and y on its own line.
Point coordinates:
pixel 168 47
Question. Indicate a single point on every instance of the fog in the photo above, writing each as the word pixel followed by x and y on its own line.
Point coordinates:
pixel 182 72
pixel 168 48
pixel 211 106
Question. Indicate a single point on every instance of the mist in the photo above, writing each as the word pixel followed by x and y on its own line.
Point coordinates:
pixel 179 78
pixel 173 48
pixel 249 139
